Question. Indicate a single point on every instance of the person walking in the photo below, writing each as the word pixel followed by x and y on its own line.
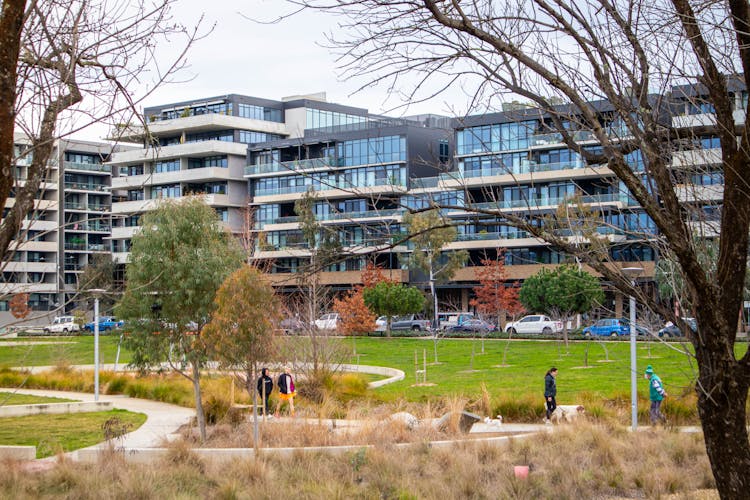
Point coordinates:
pixel 265 387
pixel 656 394
pixel 286 391
pixel 550 392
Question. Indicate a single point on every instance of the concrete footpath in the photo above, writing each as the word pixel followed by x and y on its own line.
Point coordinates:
pixel 162 419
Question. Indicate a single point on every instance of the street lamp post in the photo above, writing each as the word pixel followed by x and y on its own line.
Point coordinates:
pixel 632 273
pixel 96 292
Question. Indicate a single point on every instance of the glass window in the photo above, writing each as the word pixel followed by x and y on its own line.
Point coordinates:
pixel 208 161
pixel 167 166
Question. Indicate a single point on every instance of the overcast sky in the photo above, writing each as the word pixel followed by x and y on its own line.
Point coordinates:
pixel 271 60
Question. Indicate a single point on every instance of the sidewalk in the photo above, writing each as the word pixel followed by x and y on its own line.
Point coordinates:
pixel 162 419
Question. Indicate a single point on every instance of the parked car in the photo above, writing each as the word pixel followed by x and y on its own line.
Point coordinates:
pixel 534 323
pixel 612 327
pixel 106 323
pixel 329 321
pixel 381 323
pixel 291 325
pixel 448 320
pixel 62 324
pixel 413 322
pixel 473 325
pixel 671 330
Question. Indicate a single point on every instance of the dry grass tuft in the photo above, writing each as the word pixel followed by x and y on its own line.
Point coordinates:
pixel 582 461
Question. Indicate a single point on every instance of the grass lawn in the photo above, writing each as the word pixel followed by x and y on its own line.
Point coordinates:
pixel 67 432
pixel 527 362
pixel 44 351
pixel 10 399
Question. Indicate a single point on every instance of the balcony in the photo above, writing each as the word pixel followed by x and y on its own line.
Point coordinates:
pixel 89 167
pixel 74 205
pixel 546 203
pixel 555 138
pixel 696 157
pixel 189 175
pixel 379 186
pixel 198 123
pixel 86 186
pixel 198 149
pixel 289 167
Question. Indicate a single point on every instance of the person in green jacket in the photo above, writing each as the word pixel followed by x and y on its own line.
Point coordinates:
pixel 656 394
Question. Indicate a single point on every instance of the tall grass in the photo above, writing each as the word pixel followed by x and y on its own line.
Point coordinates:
pixel 574 462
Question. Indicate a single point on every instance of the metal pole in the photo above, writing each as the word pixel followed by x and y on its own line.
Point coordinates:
pixel 633 366
pixel 96 348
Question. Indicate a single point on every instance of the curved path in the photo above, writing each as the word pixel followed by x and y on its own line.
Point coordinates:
pixel 163 420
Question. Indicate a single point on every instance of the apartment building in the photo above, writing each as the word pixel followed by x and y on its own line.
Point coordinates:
pixel 196 147
pixel 69 225
pixel 365 171
pixel 360 168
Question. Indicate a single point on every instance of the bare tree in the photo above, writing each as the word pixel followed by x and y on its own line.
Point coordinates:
pixel 81 62
pixel 611 65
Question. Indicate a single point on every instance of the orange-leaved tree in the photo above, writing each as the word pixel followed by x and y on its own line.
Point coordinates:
pixel 355 316
pixel 241 332
pixel 19 305
pixel 493 297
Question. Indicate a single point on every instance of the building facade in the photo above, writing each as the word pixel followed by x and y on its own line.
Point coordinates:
pixel 69 225
pixel 254 159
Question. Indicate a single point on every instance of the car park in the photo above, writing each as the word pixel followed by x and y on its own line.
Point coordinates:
pixel 671 330
pixel 474 325
pixel 62 324
pixel 106 323
pixel 612 327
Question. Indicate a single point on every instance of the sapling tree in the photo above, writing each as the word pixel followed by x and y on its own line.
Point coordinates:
pixel 178 261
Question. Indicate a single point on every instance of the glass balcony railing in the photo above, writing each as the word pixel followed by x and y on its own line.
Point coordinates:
pixel 290 166
pixel 327 187
pixel 92 167
pixel 336 216
pixel 545 202
pixel 74 205
pixel 86 186
pixel 507 235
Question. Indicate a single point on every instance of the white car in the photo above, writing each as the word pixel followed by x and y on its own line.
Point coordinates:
pixel 328 321
pixel 535 323
pixel 63 324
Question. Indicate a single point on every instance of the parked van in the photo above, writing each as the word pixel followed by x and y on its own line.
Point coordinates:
pixel 63 324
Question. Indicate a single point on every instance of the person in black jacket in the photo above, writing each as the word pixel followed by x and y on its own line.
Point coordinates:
pixel 550 391
pixel 286 391
pixel 265 387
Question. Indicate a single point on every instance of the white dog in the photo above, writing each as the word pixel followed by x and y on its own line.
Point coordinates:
pixel 567 413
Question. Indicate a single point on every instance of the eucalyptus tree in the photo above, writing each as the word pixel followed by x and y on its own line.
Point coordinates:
pixel 178 260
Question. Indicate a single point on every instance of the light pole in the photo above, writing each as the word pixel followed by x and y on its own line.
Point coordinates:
pixel 633 273
pixel 96 292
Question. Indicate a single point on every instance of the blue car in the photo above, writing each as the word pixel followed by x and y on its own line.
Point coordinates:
pixel 612 327
pixel 106 323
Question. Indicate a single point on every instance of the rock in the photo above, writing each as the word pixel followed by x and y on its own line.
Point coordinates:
pixel 465 420
pixel 409 420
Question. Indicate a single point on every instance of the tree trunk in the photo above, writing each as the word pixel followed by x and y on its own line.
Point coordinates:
pixel 722 394
pixel 250 374
pixel 199 415
pixel 11 26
